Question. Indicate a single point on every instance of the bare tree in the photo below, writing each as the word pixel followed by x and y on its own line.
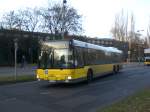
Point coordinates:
pixel 124 27
pixel 146 43
pixel 120 28
pixel 10 20
pixel 132 35
pixel 124 30
pixel 148 35
pixel 53 21
pixel 13 20
pixel 20 20
pixel 29 19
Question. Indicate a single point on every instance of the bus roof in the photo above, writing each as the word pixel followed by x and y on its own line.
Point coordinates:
pixel 65 44
pixel 93 46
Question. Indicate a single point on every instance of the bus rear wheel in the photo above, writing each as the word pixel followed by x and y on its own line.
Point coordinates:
pixel 118 68
pixel 89 76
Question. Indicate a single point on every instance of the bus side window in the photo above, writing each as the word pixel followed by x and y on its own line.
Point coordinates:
pixel 78 57
pixel 85 56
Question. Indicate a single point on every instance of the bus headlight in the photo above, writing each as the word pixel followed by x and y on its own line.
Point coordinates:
pixel 69 78
pixel 37 76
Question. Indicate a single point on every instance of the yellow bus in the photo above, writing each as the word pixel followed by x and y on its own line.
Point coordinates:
pixel 147 56
pixel 70 61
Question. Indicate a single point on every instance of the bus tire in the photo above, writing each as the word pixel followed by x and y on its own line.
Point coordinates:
pixel 114 69
pixel 89 76
pixel 118 68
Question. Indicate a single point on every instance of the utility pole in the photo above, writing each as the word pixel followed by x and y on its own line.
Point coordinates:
pixel 16 47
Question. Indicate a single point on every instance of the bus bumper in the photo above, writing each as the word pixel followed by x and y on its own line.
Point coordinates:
pixel 65 81
pixel 147 63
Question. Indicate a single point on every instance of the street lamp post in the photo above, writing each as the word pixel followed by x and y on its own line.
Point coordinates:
pixel 16 47
pixel 129 51
pixel 63 17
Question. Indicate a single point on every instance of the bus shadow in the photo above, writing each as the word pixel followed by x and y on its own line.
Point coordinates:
pixel 65 85
pixel 103 77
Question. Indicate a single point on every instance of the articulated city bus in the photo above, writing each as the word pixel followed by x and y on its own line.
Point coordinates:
pixel 72 61
pixel 147 56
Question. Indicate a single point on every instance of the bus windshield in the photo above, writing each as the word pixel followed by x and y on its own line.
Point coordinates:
pixel 147 54
pixel 56 58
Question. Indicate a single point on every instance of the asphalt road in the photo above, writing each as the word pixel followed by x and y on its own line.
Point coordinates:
pixel 43 97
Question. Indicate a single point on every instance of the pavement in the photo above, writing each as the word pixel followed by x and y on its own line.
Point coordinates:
pixel 133 64
pixel 10 71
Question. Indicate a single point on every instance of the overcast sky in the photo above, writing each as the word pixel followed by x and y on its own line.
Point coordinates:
pixel 98 15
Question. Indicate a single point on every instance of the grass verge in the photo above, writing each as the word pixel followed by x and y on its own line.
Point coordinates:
pixel 22 78
pixel 139 102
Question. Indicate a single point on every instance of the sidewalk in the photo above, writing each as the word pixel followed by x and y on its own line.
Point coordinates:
pixel 9 71
pixel 132 64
